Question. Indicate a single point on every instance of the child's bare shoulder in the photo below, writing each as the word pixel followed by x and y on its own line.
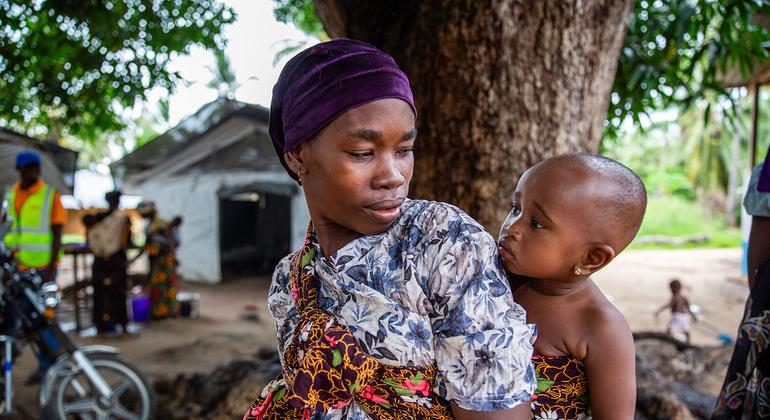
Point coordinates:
pixel 608 319
pixel 609 330
pixel 604 321
pixel 597 320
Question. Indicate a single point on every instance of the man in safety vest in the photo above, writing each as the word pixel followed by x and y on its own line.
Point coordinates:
pixel 38 217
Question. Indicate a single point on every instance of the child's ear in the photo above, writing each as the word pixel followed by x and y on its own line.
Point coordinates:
pixel 596 258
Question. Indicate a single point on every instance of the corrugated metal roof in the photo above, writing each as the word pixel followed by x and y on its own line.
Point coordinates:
pixel 185 134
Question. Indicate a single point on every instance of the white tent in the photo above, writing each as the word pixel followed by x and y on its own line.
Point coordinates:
pixel 217 169
pixel 57 163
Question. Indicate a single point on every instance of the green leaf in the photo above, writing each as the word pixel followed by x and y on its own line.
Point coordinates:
pixel 678 53
pixel 279 394
pixel 390 382
pixel 416 379
pixel 400 390
pixel 403 391
pixel 302 13
pixel 307 258
pixel 336 358
pixel 542 385
pixel 69 72
pixel 354 386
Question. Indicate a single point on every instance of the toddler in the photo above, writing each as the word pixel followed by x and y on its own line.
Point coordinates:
pixel 679 324
pixel 571 216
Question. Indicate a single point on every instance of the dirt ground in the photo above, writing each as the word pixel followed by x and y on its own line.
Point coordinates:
pixel 164 349
pixel 636 282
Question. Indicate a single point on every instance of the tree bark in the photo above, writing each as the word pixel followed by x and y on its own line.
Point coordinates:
pixel 499 84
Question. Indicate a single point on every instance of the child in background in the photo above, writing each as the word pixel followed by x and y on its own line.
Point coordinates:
pixel 679 324
pixel 571 216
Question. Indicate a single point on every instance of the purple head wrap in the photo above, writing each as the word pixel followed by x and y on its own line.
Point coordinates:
pixel 324 81
pixel 764 176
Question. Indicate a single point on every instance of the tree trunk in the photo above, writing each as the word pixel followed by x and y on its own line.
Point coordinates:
pixel 499 84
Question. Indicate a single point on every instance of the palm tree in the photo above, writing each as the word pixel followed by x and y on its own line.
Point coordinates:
pixel 223 80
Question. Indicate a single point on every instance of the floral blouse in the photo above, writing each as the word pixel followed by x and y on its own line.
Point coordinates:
pixel 429 290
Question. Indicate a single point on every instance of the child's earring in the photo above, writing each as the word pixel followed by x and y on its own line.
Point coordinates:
pixel 576 271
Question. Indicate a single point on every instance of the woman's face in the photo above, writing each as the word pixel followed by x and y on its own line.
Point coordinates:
pixel 358 168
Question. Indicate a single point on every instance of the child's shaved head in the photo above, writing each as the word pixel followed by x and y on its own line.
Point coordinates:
pixel 611 197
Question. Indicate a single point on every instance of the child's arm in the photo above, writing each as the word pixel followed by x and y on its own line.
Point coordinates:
pixel 689 311
pixel 663 308
pixel 611 367
pixel 520 412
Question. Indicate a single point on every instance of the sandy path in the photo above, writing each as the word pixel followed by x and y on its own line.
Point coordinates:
pixel 637 283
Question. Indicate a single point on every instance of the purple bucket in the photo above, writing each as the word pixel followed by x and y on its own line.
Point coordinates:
pixel 140 308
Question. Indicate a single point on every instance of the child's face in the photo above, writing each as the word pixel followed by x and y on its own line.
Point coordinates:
pixel 542 237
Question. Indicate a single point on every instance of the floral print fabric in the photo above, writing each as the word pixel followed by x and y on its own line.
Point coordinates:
pixel 325 368
pixel 562 389
pixel 162 279
pixel 430 290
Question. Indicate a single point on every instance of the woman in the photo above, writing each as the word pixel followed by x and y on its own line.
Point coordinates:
pixel 394 308
pixel 746 390
pixel 159 245
pixel 109 234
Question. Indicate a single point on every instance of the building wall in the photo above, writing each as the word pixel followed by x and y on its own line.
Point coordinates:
pixel 194 197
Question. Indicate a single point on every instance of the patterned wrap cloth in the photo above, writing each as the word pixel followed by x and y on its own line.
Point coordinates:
pixel 745 392
pixel 325 368
pixel 562 388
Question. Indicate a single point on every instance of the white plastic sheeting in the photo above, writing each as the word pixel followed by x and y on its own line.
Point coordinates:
pixel 48 169
pixel 195 198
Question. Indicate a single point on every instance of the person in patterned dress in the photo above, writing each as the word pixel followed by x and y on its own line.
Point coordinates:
pixel 571 216
pixel 393 308
pixel 160 248
pixel 745 392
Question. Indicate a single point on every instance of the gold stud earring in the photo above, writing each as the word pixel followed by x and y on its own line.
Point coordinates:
pixel 576 271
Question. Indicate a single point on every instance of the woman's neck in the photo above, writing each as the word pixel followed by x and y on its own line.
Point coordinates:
pixel 331 237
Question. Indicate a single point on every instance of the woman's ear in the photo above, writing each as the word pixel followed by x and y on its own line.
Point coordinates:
pixel 295 160
pixel 597 256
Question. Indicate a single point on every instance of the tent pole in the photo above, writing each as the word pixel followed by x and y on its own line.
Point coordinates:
pixel 754 127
